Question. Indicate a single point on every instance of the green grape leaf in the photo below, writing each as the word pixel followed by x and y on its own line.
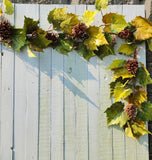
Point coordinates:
pixel 30 52
pixel 120 92
pixel 143 76
pixel 96 38
pixel 18 38
pixel 82 50
pixel 118 23
pixel 149 42
pixel 56 16
pixel 116 115
pixel 145 113
pixel 68 24
pixel 41 41
pixel 118 63
pixel 88 17
pixel 101 4
pixel 64 46
pixel 139 97
pixel 30 25
pixel 122 72
pixel 8 7
pixel 104 51
pixel 107 19
pixel 143 28
pixel 127 49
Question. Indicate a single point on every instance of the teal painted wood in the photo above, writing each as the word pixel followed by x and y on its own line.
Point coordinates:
pixel 58 102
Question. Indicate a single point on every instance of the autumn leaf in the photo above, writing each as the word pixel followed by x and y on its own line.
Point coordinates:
pixel 68 24
pixel 118 63
pixel 116 115
pixel 8 7
pixel 139 97
pixel 120 92
pixel 96 38
pixel 145 113
pixel 101 4
pixel 88 17
pixel 1 12
pixel 30 52
pixel 143 28
pixel 149 42
pixel 107 19
pixel 118 23
pixel 127 49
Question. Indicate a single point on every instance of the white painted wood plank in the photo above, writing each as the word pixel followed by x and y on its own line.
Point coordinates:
pixel 70 90
pixel 45 91
pixel 81 103
pixel 93 95
pixel 57 105
pixel 6 114
pixel 26 93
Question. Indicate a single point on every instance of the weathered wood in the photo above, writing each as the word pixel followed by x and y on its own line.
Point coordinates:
pixel 26 93
pixel 6 107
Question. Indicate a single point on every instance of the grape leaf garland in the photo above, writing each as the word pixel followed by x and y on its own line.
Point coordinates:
pixel 72 32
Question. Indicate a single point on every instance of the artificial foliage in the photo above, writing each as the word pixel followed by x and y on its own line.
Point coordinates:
pixel 68 32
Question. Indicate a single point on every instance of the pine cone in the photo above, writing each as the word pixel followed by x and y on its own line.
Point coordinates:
pixel 79 31
pixel 5 30
pixel 53 37
pixel 132 66
pixel 131 110
pixel 125 34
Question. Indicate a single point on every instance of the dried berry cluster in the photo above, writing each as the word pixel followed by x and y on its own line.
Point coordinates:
pixel 5 30
pixel 53 37
pixel 79 31
pixel 130 110
pixel 132 66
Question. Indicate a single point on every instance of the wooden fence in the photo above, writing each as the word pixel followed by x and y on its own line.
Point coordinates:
pixel 52 107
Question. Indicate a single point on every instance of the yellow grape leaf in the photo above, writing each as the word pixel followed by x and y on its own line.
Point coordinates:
pixel 96 38
pixel 30 52
pixel 1 12
pixel 120 92
pixel 122 72
pixel 140 96
pixel 107 19
pixel 128 131
pixel 127 49
pixel 118 23
pixel 144 28
pixel 118 63
pixel 88 17
pixel 8 7
pixel 68 24
pixel 101 4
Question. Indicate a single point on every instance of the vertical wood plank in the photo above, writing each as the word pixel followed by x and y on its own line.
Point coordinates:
pixel 81 103
pixel 70 90
pixel 26 93
pixel 45 91
pixel 6 113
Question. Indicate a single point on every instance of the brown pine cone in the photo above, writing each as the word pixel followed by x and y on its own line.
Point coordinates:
pixel 79 31
pixel 53 37
pixel 125 34
pixel 131 110
pixel 132 66
pixel 5 30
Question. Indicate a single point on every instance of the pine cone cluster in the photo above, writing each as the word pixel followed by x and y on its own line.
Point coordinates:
pixel 79 31
pixel 131 110
pixel 125 34
pixel 132 66
pixel 5 30
pixel 53 37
